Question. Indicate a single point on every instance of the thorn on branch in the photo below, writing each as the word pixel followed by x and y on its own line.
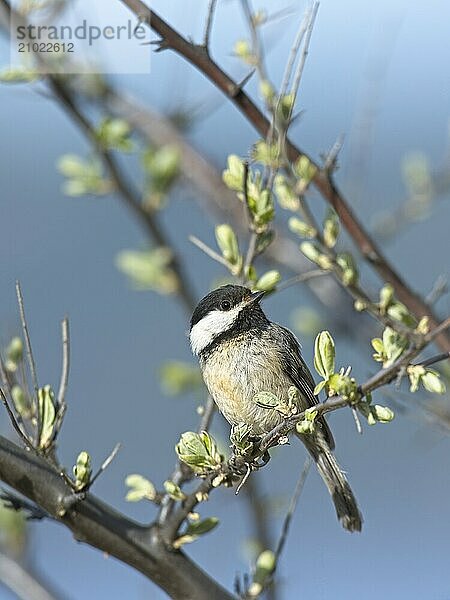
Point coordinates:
pixel 235 88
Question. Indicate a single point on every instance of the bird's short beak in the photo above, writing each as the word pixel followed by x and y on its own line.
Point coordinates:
pixel 256 297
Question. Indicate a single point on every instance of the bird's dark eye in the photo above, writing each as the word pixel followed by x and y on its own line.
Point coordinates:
pixel 225 305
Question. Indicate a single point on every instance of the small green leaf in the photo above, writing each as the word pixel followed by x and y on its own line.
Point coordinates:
pixel 265 566
pixel 266 154
pixel 287 197
pixel 432 383
pixel 179 377
pixel 82 470
pixel 149 269
pixel 233 176
pixel 349 269
pixel 174 491
pixel 242 50
pixel 268 281
pixel 227 242
pixel 14 351
pixel 386 297
pixel 330 229
pixel 383 414
pixel 239 438
pixel 114 134
pixel 324 354
pixel 304 169
pixel 399 312
pixel 201 527
pixel 162 167
pixel 266 400
pixel 198 451
pixel 319 387
pixel 394 345
pixel 312 252
pixel 300 228
pixel 47 415
pixel 140 488
pixel 21 402
pixel 267 91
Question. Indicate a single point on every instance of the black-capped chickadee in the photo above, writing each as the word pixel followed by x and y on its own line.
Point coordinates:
pixel 242 353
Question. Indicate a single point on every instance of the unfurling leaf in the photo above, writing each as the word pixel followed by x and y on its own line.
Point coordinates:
pixel 14 351
pixel 266 154
pixel 305 170
pixel 179 377
pixel 432 383
pixel 394 345
pixel 174 491
pixel 330 229
pixel 265 567
pixel 286 195
pixel 149 269
pixel 195 530
pixel 349 269
pixel 324 354
pixel 114 134
pixel 242 49
pixel 266 400
pixel 47 415
pixel 314 254
pixel 301 228
pixel 140 488
pixel 228 244
pixel 84 176
pixel 198 451
pixel 268 281
pixel 239 438
pixel 82 470
pixel 21 402
pixel 233 176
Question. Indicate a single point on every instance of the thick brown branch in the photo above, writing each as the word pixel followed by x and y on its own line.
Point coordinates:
pixel 98 525
pixel 322 180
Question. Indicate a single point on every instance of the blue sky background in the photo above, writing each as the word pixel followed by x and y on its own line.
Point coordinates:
pixel 62 250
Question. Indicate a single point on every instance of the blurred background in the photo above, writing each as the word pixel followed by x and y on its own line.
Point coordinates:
pixel 377 73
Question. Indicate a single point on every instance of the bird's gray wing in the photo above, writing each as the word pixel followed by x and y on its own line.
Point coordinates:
pixel 298 371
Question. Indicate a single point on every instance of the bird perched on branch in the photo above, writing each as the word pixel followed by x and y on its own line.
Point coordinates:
pixel 241 353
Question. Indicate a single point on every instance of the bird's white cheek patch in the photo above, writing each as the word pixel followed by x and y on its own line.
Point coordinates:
pixel 207 329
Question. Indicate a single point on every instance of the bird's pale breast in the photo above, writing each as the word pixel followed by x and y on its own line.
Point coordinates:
pixel 239 368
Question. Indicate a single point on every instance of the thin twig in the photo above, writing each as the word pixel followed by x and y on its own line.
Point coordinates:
pixel 434 359
pixel 292 506
pixel 209 251
pixel 65 337
pixel 357 421
pixel 207 415
pixel 29 351
pixel 292 56
pixel 209 23
pixel 439 288
pixel 313 274
pixel 105 464
pixel 256 45
pixel 301 64
pixel 14 422
pixel 330 162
